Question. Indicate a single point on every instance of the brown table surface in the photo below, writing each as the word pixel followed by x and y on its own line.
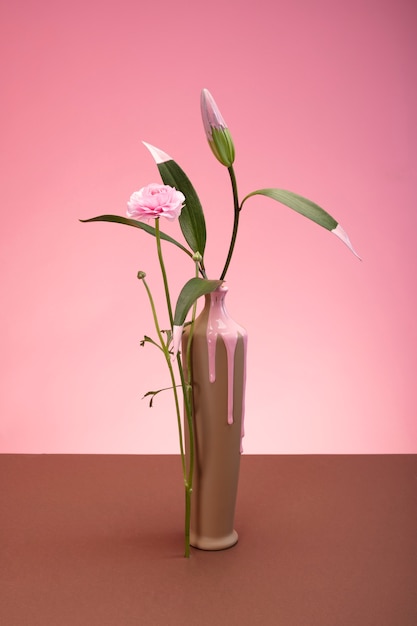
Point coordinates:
pixel 97 540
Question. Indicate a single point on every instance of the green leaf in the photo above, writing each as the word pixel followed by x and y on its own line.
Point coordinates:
pixel 118 219
pixel 298 203
pixel 191 220
pixel 191 291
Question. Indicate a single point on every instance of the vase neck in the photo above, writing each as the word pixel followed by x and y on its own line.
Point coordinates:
pixel 215 301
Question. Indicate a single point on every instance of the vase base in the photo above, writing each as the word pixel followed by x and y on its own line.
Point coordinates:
pixel 214 543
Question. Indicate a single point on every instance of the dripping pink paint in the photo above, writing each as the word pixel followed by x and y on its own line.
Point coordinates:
pixel 220 324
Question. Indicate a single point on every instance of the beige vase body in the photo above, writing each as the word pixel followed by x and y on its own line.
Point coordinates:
pixel 218 365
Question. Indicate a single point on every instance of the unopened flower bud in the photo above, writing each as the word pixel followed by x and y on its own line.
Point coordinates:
pixel 197 257
pixel 141 275
pixel 218 135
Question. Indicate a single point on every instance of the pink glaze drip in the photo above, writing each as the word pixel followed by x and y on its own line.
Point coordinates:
pixel 220 324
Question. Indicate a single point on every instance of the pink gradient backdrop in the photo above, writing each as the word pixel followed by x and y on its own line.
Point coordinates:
pixel 321 98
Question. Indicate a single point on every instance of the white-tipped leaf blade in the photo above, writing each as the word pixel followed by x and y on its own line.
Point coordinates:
pixel 343 236
pixel 158 155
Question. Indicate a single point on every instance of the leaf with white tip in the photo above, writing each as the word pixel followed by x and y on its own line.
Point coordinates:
pixel 305 207
pixel 343 236
pixel 191 220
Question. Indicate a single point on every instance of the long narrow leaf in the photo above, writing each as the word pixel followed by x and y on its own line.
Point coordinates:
pixel 118 219
pixel 191 220
pixel 302 205
pixel 307 208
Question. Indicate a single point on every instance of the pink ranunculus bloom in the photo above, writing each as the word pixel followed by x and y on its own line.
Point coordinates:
pixel 155 201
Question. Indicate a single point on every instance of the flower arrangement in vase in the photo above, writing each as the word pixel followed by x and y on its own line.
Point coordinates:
pixel 205 355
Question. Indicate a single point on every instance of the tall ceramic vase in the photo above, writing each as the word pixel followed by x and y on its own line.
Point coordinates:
pixel 218 367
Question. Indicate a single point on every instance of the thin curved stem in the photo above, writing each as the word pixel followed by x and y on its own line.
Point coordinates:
pixel 188 404
pixel 191 414
pixel 202 270
pixel 235 223
pixel 164 274
pixel 171 373
pixel 187 473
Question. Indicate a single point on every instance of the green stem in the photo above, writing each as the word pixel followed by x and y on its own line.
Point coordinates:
pixel 171 373
pixel 235 223
pixel 188 475
pixel 188 403
pixel 190 424
pixel 202 270
pixel 164 274
pixel 188 492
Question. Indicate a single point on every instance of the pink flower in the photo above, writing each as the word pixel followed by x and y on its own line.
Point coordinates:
pixel 155 201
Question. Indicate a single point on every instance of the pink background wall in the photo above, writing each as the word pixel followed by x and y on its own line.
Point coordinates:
pixel 321 98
